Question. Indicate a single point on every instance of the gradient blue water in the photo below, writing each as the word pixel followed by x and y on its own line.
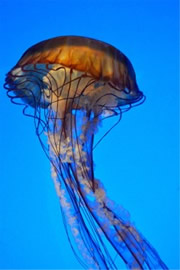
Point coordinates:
pixel 137 161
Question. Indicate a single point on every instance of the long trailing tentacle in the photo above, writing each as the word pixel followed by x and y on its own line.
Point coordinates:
pixel 68 108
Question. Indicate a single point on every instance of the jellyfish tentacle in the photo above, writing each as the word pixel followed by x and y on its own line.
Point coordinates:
pixel 92 209
pixel 67 170
pixel 139 255
pixel 68 107
pixel 80 171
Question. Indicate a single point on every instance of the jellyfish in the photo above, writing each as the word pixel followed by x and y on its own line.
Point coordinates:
pixel 69 85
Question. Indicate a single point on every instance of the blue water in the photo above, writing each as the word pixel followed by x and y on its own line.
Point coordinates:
pixel 137 161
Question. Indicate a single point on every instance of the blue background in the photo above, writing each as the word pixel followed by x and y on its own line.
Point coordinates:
pixel 137 161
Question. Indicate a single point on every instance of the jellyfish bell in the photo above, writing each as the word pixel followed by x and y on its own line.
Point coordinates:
pixel 71 83
pixel 75 57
